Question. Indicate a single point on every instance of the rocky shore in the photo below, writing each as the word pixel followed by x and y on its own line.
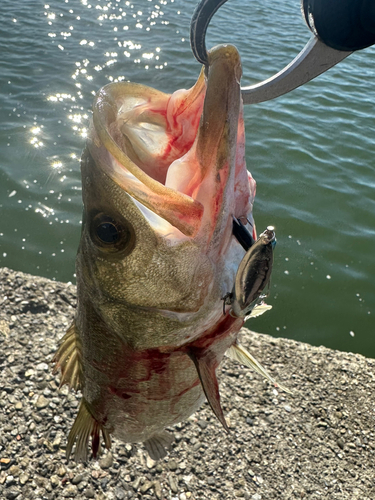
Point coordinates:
pixel 317 443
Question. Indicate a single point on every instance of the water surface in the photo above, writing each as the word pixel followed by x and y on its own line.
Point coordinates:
pixel 311 151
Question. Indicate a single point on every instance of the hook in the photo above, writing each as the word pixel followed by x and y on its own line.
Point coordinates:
pixel 314 59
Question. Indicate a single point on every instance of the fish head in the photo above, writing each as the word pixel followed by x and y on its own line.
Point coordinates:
pixel 163 175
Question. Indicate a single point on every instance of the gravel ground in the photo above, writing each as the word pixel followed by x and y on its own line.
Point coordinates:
pixel 317 443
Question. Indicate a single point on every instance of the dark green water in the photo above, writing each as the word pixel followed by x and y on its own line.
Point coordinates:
pixel 311 152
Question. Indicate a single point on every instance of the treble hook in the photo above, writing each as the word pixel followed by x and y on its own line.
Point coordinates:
pixel 320 53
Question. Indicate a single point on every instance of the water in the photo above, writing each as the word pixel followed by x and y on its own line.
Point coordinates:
pixel 311 151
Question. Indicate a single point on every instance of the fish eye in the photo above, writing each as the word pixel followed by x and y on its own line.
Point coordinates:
pixel 112 235
pixel 107 232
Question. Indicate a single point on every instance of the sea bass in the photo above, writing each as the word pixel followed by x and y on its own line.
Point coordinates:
pixel 163 178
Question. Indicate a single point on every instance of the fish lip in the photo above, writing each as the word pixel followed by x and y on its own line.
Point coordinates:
pixel 219 116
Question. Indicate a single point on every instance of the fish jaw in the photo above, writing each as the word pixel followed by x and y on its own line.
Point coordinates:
pixel 176 154
pixel 209 170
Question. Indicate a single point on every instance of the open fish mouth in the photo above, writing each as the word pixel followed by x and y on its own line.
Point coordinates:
pixel 180 155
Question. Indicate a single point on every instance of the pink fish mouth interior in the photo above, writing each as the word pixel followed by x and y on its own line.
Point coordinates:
pixel 173 152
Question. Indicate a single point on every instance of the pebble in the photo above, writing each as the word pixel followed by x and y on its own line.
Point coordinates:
pixel 41 402
pixel 90 493
pixel 202 424
pixel 15 470
pixel 136 483
pixel 158 490
pixel 146 486
pixel 188 478
pixel 197 445
pixel 5 463
pixel 172 464
pixel 173 484
pixel 61 471
pixel 24 478
pixel 54 480
pixel 82 485
pixel 107 461
pixel 70 491
pixel 38 419
pixel 120 494
pixel 341 443
pixel 77 479
pixel 42 367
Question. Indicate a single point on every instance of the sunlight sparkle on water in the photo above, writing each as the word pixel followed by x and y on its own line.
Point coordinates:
pixel 44 210
pixel 56 164
pixel 131 45
pixel 60 97
pixel 85 42
pixel 34 141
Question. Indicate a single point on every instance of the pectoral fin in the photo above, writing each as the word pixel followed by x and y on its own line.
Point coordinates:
pixel 206 369
pixel 158 445
pixel 85 426
pixel 240 354
pixel 68 358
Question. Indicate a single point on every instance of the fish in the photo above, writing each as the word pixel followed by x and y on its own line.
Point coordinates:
pixel 163 178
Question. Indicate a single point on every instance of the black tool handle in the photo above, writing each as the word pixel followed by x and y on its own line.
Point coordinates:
pixel 345 25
